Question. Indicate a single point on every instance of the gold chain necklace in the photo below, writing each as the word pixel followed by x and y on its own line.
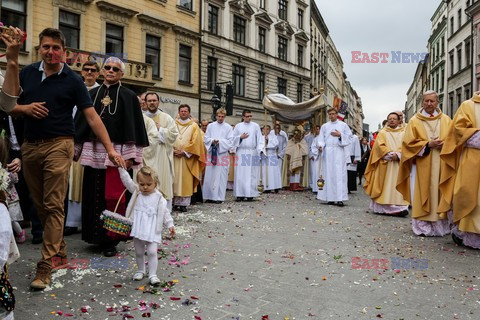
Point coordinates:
pixel 107 101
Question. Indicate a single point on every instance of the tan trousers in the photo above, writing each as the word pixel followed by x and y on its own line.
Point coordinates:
pixel 46 166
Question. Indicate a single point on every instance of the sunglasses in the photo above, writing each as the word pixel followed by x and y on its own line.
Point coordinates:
pixel 90 70
pixel 115 69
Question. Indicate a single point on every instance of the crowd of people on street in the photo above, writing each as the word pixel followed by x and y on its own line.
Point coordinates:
pixel 71 147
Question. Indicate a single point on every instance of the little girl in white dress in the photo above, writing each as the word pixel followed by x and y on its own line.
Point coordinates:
pixel 149 214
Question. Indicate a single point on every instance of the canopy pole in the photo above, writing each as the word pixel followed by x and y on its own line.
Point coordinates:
pixel 266 142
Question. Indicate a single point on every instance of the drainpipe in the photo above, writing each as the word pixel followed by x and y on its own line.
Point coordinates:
pixel 200 64
pixel 472 44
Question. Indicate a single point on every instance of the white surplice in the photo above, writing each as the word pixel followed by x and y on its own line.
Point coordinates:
pixel 354 152
pixel 334 160
pixel 271 165
pixel 315 163
pixel 247 169
pixel 216 176
pixel 159 155
pixel 312 171
pixel 282 146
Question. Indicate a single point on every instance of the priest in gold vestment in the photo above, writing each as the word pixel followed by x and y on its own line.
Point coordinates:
pixel 189 160
pixel 460 179
pixel 382 170
pixel 296 152
pixel 419 174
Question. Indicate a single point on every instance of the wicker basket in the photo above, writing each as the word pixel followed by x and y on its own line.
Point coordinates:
pixel 118 223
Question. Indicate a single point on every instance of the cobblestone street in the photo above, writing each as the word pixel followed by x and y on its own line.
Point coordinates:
pixel 284 256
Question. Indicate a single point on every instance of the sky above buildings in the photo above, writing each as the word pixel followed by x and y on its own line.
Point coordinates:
pixel 379 26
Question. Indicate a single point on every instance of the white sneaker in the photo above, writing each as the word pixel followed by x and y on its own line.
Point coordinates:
pixel 154 281
pixel 138 275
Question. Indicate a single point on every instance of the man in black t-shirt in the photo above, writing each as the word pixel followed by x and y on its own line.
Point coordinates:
pixel 50 91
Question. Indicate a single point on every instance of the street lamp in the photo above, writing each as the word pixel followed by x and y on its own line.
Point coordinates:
pixel 216 104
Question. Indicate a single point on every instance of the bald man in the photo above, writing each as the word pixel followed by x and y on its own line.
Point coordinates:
pixel 400 115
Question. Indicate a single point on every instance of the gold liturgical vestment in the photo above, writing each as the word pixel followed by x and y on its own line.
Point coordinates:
pixel 380 174
pixel 297 152
pixel 460 179
pixel 419 132
pixel 159 156
pixel 188 170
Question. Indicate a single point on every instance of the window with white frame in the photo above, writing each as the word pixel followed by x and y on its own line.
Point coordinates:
pixel 282 86
pixel 282 9
pixel 239 29
pixel 261 85
pixel 300 54
pixel 187 4
pixel 213 19
pixel 282 48
pixel 114 40
pixel 300 19
pixel 152 54
pixel 238 76
pixel 14 13
pixel 69 24
pixel 185 64
pixel 211 73
pixel 262 36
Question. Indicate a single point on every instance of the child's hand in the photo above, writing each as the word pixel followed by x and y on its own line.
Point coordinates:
pixel 172 232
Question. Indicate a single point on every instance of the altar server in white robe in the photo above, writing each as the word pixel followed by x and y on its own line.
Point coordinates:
pixel 218 141
pixel 355 156
pixel 249 144
pixel 282 145
pixel 334 138
pixel 313 160
pixel 271 168
pixel 309 137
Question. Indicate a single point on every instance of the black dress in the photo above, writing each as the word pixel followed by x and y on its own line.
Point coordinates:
pixel 362 165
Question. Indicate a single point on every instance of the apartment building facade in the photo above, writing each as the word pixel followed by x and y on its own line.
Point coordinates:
pixel 437 48
pixel 459 60
pixel 254 46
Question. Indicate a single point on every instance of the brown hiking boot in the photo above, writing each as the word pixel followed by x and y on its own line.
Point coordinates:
pixel 42 279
